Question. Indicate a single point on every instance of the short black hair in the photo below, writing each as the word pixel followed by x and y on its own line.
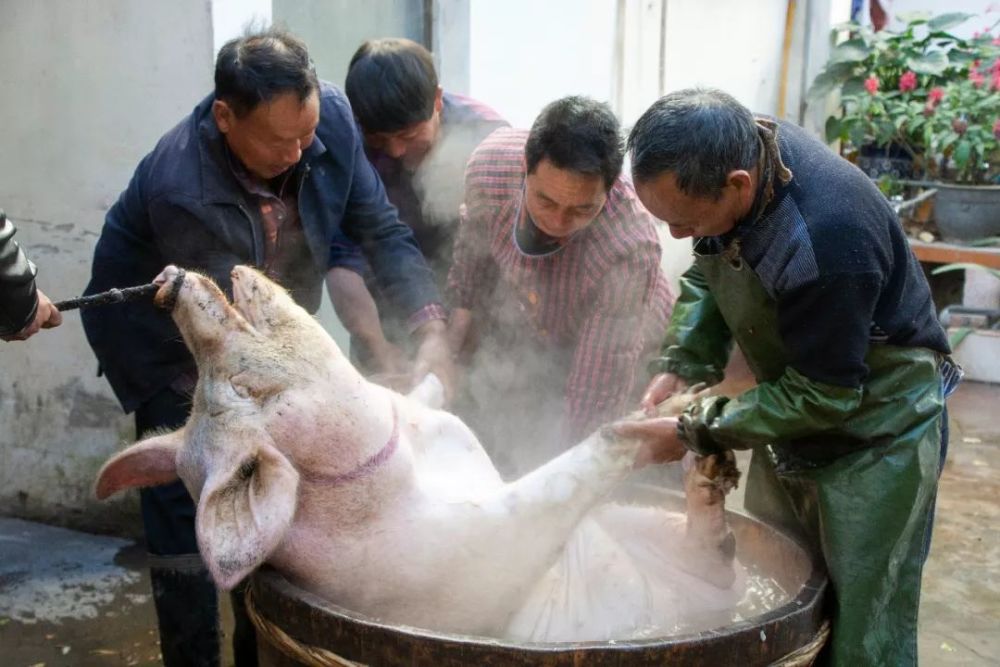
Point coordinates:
pixel 261 65
pixel 698 134
pixel 391 84
pixel 578 134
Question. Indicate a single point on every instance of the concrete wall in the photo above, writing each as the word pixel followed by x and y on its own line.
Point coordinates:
pixel 88 88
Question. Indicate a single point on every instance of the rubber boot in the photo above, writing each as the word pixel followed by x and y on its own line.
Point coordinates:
pixel 244 634
pixel 187 610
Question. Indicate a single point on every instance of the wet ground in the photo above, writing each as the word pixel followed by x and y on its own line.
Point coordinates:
pixel 68 599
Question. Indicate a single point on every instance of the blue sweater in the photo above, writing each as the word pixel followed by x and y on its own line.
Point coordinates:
pixel 831 252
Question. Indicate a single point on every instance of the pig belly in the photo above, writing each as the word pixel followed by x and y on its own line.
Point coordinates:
pixel 449 462
pixel 621 577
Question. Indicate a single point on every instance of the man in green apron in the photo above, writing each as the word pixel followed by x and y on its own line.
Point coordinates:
pixel 802 262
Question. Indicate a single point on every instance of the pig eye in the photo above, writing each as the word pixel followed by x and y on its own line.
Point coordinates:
pixel 247 469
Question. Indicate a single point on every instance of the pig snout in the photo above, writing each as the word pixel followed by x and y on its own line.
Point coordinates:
pixel 170 280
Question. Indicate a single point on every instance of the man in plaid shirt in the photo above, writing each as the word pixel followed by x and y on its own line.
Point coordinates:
pixel 555 285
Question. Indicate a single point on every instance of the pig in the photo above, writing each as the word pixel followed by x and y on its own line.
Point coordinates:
pixel 388 505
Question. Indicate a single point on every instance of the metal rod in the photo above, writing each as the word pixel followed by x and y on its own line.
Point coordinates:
pixel 911 203
pixel 114 295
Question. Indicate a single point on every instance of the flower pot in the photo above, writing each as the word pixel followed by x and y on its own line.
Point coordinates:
pixel 884 161
pixel 966 213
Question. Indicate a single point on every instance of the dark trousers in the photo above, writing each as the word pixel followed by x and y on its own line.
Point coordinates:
pixel 185 597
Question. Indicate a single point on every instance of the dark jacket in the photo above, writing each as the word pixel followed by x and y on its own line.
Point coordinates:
pixel 18 299
pixel 184 206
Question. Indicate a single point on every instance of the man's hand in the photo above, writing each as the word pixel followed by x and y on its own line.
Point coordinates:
pixel 659 389
pixel 391 368
pixel 46 317
pixel 388 359
pixel 434 356
pixel 660 443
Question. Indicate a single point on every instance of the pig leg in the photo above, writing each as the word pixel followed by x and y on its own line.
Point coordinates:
pixel 709 546
pixel 429 392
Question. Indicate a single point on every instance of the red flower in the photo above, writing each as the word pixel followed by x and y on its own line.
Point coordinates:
pixel 960 125
pixel 995 67
pixel 976 78
pixel 996 129
pixel 935 96
pixel 871 84
pixel 996 81
pixel 996 41
pixel 908 81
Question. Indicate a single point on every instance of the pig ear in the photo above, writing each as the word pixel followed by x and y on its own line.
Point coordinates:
pixel 148 463
pixel 244 513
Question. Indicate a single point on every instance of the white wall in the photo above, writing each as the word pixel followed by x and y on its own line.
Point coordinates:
pixel 526 53
pixel 88 88
pixel 231 17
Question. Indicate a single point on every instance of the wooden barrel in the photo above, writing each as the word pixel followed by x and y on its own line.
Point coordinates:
pixel 298 628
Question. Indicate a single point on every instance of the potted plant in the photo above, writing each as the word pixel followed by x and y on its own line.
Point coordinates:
pixel 933 99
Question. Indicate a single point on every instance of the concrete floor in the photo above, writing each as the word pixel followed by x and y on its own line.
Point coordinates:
pixel 68 598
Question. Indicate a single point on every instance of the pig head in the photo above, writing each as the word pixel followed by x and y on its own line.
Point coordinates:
pixel 261 411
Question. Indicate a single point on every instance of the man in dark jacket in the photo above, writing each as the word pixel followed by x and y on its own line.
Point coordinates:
pixel 265 172
pixel 419 139
pixel 24 310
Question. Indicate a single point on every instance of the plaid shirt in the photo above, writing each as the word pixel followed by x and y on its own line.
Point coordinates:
pixel 601 296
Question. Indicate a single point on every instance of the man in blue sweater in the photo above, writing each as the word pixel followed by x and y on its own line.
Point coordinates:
pixel 802 262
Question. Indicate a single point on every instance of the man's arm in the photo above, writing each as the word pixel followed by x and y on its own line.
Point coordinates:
pixel 359 314
pixel 18 296
pixel 398 264
pixel 607 352
pixel 825 326
pixel 697 344
pixel 136 344
pixel 473 274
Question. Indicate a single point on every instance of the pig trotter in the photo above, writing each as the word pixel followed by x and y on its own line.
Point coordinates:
pixel 709 544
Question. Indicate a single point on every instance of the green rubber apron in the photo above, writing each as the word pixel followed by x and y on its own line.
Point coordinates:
pixel 860 495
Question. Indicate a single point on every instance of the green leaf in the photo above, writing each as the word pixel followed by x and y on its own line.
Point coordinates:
pixel 857 135
pixel 853 86
pixel 828 80
pixel 833 127
pixel 958 57
pixel 884 132
pixel 943 36
pixel 962 266
pixel 963 151
pixel 913 18
pixel 933 62
pixel 851 51
pixel 949 20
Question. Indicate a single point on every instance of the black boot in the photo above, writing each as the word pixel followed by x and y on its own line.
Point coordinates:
pixel 244 634
pixel 188 613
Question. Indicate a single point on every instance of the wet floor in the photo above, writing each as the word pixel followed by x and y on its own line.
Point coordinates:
pixel 70 599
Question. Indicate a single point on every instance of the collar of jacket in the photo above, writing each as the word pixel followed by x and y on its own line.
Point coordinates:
pixel 218 183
